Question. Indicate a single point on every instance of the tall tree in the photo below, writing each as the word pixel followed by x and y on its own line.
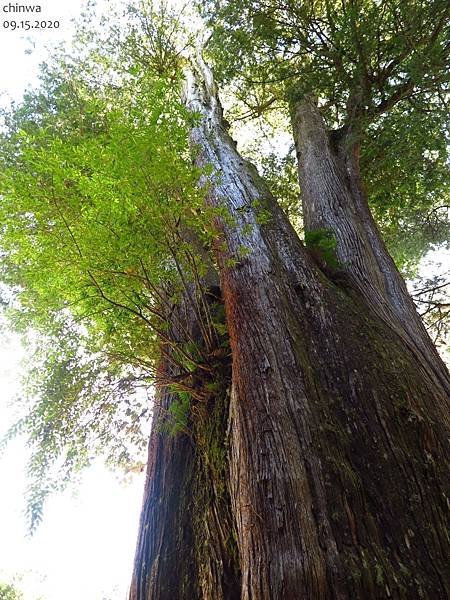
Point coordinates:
pixel 378 75
pixel 315 375
pixel 278 381
pixel 301 416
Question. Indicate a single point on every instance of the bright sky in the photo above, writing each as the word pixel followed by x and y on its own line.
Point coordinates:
pixel 84 547
pixel 17 68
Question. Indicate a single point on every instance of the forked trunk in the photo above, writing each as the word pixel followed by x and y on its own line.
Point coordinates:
pixel 334 200
pixel 337 421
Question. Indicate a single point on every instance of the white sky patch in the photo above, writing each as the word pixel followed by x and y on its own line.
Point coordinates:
pixel 83 549
pixel 23 49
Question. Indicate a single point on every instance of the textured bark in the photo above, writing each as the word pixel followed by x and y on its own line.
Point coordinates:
pixel 333 198
pixel 186 547
pixel 338 430
pixel 166 536
pixel 334 451
pixel 217 557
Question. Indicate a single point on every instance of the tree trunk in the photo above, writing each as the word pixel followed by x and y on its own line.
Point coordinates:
pixel 334 199
pixel 166 530
pixel 337 422
pixel 186 547
pixel 186 544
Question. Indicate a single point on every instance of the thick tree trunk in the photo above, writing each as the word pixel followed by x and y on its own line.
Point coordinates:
pixel 334 199
pixel 338 429
pixel 186 544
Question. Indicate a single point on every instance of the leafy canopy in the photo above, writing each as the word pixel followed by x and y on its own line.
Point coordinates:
pixel 9 592
pixel 98 192
pixel 104 227
pixel 377 68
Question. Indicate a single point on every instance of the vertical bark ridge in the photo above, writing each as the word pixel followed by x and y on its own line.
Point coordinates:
pixel 166 534
pixel 185 548
pixel 332 415
pixel 217 558
pixel 334 199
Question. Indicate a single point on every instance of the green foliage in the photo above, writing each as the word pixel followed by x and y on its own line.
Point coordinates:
pixel 98 194
pixel 323 243
pixel 404 160
pixel 77 405
pixel 218 320
pixel 9 592
pixel 380 69
pixel 177 419
pixel 157 37
pixel 281 175
pixel 352 54
pixel 104 228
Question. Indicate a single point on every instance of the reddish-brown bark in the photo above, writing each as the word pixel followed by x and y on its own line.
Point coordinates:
pixel 338 420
